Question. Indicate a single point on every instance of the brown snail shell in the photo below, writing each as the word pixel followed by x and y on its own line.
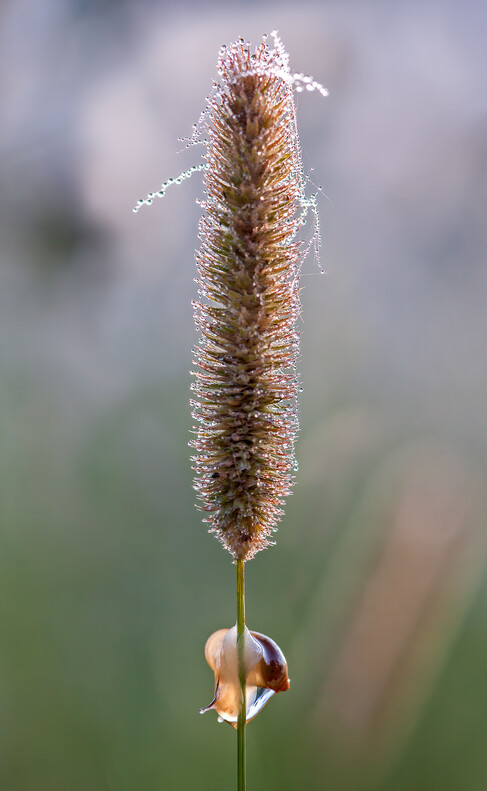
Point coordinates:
pixel 265 671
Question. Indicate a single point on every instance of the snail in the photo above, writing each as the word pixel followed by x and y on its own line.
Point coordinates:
pixel 265 672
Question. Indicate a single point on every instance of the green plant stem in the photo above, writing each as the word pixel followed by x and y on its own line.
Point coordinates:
pixel 242 715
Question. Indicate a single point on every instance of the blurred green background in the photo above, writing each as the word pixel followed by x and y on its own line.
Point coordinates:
pixel 376 588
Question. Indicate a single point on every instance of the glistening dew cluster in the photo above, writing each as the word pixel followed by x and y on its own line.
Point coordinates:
pixel 248 265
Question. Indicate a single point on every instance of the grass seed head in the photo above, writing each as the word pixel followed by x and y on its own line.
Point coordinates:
pixel 248 265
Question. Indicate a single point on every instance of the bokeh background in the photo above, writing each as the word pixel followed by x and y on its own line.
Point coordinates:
pixel 376 589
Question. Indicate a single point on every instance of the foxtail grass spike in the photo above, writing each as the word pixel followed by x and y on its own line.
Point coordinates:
pixel 248 265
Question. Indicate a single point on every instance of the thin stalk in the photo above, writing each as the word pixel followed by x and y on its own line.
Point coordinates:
pixel 242 715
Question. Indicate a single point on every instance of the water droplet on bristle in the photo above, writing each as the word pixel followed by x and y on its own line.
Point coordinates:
pixel 162 191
